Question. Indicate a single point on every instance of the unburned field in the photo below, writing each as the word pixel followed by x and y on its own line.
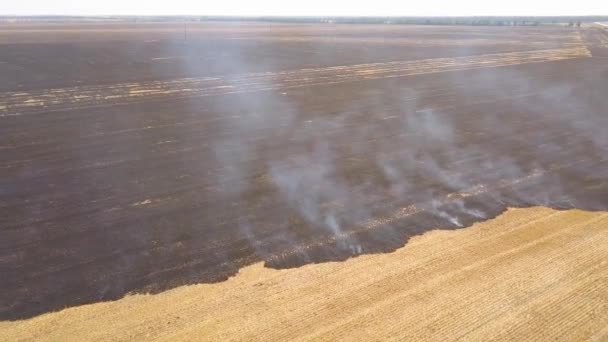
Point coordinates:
pixel 136 158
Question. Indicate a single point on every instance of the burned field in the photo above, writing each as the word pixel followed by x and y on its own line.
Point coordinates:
pixel 139 158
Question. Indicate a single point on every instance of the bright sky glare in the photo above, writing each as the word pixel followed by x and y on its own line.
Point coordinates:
pixel 305 8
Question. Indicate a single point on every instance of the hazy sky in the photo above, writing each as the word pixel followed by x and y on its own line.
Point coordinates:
pixel 306 7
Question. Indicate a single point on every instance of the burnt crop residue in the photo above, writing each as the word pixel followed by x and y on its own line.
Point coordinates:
pixel 100 202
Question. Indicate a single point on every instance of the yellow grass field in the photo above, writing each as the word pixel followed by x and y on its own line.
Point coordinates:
pixel 529 274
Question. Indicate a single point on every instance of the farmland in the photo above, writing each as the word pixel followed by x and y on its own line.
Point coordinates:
pixel 140 158
pixel 532 272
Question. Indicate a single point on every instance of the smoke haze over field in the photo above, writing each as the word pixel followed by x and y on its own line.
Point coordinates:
pixel 146 160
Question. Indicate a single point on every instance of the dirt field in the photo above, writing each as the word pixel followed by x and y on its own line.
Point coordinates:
pixel 137 158
pixel 531 272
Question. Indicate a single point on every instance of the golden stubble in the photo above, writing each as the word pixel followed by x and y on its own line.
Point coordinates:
pixel 529 274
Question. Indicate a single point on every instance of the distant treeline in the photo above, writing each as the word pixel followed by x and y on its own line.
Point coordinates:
pixel 485 21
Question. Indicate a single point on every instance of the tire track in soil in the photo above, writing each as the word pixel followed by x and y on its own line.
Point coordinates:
pixel 19 103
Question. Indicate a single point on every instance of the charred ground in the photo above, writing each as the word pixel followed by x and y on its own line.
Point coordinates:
pixel 137 159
